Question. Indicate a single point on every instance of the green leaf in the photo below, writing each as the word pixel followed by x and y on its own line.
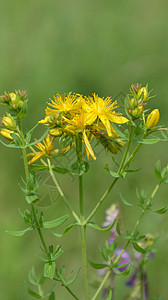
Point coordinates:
pixel 121 134
pixel 60 170
pixel 42 258
pixel 39 140
pixel 22 112
pixel 74 278
pixel 161 211
pixel 38 167
pixel 55 223
pixel 32 293
pixel 16 139
pixel 20 213
pixel 113 174
pixel 32 198
pixel 49 270
pixel 125 273
pixel 95 226
pixel 98 266
pixel 66 230
pixel 9 145
pixel 158 170
pixel 147 141
pixel 52 296
pixel 32 277
pixel 109 296
pixel 138 248
pixel 20 232
pixel 127 203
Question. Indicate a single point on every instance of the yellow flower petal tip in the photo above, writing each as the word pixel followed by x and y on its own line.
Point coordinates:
pixel 153 119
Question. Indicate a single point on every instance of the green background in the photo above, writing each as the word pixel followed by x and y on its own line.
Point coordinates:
pixel 84 47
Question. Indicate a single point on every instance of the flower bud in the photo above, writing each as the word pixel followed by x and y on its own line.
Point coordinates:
pixel 56 131
pixel 135 87
pixel 12 96
pixel 69 130
pixel 6 134
pixel 132 103
pixel 153 119
pixel 143 92
pixel 8 122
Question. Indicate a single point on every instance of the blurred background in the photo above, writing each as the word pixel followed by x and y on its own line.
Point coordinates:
pixel 84 47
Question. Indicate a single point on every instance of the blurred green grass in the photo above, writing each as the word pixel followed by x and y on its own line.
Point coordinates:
pixel 81 46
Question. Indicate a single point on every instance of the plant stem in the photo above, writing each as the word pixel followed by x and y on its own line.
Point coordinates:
pixel 128 242
pixel 120 171
pixel 34 212
pixel 101 285
pixel 61 192
pixel 82 219
pixel 65 285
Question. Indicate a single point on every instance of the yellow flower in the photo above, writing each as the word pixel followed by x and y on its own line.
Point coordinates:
pixel 6 134
pixel 153 119
pixel 79 122
pixel 45 149
pixel 103 110
pixel 66 103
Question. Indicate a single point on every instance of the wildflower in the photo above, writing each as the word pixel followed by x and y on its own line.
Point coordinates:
pixel 80 122
pixel 153 119
pixel 66 103
pixel 103 110
pixel 111 214
pixel 124 259
pixel 12 96
pixel 45 149
pixel 6 133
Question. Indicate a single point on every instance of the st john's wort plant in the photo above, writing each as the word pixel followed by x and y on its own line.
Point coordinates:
pixel 76 123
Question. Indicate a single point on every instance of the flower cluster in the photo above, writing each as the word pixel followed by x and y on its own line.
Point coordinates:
pixel 136 101
pixel 90 117
pixel 17 105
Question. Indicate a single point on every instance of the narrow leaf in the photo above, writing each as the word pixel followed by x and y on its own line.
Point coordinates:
pixel 109 296
pixel 162 210
pixel 158 170
pixel 39 140
pixel 138 248
pixel 66 230
pixel 74 278
pixel 98 266
pixel 55 223
pixel 95 226
pixel 20 232
pixel 32 293
pixel 52 296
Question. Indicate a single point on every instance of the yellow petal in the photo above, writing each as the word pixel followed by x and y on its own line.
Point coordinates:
pixel 88 146
pixel 37 156
pixel 107 124
pixel 117 119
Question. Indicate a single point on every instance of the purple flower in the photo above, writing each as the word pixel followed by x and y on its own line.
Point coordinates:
pixel 124 259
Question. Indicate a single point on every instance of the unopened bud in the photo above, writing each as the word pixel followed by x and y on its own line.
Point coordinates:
pixel 144 93
pixel 56 131
pixel 8 122
pixel 135 87
pixel 12 96
pixel 69 130
pixel 6 134
pixel 135 112
pixel 153 119
pixel 132 103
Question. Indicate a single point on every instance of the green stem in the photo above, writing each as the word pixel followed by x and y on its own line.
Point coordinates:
pixel 120 171
pixel 61 192
pixel 82 220
pixel 128 242
pixel 34 212
pixel 65 285
pixel 101 285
